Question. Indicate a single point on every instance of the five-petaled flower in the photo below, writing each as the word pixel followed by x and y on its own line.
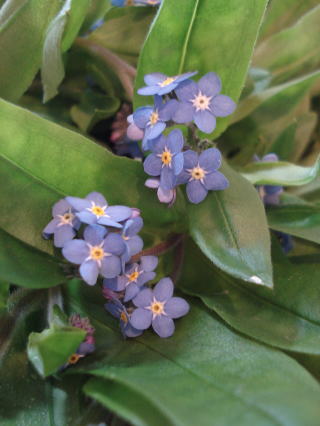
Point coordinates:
pixel 96 253
pixel 152 119
pixel 202 102
pixel 64 224
pixel 135 276
pixel 161 84
pixel 118 310
pixel 157 307
pixel 166 159
pixel 201 175
pixel 94 209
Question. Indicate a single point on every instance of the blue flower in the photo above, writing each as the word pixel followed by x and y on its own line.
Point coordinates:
pixel 286 241
pixel 133 243
pixel 161 84
pixel 167 196
pixel 96 253
pixel 269 194
pixel 94 209
pixel 135 276
pixel 64 224
pixel 153 119
pixel 166 159
pixel 118 310
pixel 201 175
pixel 157 307
pixel 202 102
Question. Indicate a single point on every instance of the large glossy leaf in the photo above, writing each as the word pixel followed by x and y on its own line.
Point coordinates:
pixel 280 173
pixel 302 221
pixel 205 374
pixel 291 52
pixel 23 26
pixel 231 229
pixel 287 317
pixel 204 38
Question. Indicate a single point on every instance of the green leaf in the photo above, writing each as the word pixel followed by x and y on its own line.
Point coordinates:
pixel 23 26
pixel 204 38
pixel 50 349
pixel 287 317
pixel 4 293
pixel 230 228
pixel 292 51
pixel 97 10
pixel 280 173
pixel 203 355
pixel 302 221
pixel 60 35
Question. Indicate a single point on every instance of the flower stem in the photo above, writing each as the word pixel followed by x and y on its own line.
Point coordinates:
pixel 159 249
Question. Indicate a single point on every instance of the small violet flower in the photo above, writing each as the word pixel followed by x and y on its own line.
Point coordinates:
pixel 161 84
pixel 166 159
pixel 269 194
pixel 167 196
pixel 133 243
pixel 64 224
pixel 94 209
pixel 201 175
pixel 158 308
pixel 96 253
pixel 152 119
pixel 202 102
pixel 118 310
pixel 135 276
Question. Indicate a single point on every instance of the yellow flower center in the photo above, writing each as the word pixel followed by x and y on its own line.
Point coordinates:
pixel 198 173
pixel 133 276
pixel 97 253
pixel 98 211
pixel 166 157
pixel 168 80
pixel 157 308
pixel 123 317
pixel 201 102
pixel 66 219
pixel 74 358
pixel 154 117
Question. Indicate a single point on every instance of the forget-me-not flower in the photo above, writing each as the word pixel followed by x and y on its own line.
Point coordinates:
pixel 94 209
pixel 166 159
pixel 167 196
pixel 158 308
pixel 135 276
pixel 161 84
pixel 202 102
pixel 64 224
pixel 96 253
pixel 201 175
pixel 118 310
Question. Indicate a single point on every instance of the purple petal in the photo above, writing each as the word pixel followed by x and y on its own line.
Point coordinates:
pixel 186 90
pixel 63 234
pixel 210 84
pixel 175 141
pixel 191 159
pixel 210 159
pixel 163 290
pixel 51 227
pixel 205 121
pixel 163 326
pixel 196 192
pixel 183 177
pixel 131 291
pixel 94 234
pixel 148 90
pixel 152 165
pixel 97 198
pixel 78 204
pixel 143 299
pixel 145 277
pixel 60 207
pixel 167 110
pixel 109 222
pixel 270 157
pixel 87 217
pixel 149 263
pixel 159 144
pixel 176 307
pixel 115 284
pixel 89 272
pixel 110 267
pixel 114 244
pixel 152 183
pixel 167 178
pixel 133 226
pixel 184 113
pixel 216 181
pixel 222 105
pixel 118 213
pixel 165 195
pixel 76 251
pixel 141 116
pixel 177 163
pixel 135 245
pixel 134 132
pixel 154 78
pixel 185 76
pixel 141 318
pixel 153 131
pixel 130 331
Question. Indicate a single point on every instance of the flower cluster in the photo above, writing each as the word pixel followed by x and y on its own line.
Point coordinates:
pixel 88 344
pixel 180 100
pixel 107 239
pixel 122 3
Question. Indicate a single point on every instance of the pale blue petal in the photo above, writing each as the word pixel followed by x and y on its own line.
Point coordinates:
pixel 145 277
pixel 210 84
pixel 191 159
pixel 51 227
pixel 109 222
pixel 149 263
pixel 187 90
pixel 119 213
pixel 110 267
pixel 87 217
pixel 163 290
pixel 167 179
pixel 97 198
pixel 114 244
pixel 154 78
pixel 78 204
pixel 176 307
pixel 144 298
pixel 94 234
pixel 141 318
pixel 184 113
pixel 152 165
pixel 205 121
pixel 196 192
pixel 163 326
pixel 135 245
pixel 89 272
pixel 222 106
pixel 210 159
pixel 63 234
pixel 153 131
pixel 60 207
pixel 167 110
pixel 177 163
pixel 175 141
pixel 131 291
pixel 141 116
pixel 76 251
pixel 216 181
pixel 148 91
